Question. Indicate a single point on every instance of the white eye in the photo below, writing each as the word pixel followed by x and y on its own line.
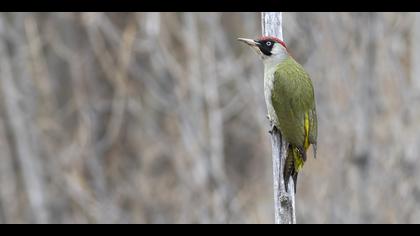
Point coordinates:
pixel 268 43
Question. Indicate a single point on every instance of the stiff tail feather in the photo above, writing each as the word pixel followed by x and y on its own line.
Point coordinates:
pixel 294 162
pixel 289 169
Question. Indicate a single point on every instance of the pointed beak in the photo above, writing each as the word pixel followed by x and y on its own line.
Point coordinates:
pixel 250 42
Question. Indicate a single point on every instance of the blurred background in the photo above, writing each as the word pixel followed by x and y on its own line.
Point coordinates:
pixel 160 118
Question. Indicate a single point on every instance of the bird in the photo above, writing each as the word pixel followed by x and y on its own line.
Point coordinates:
pixel 290 98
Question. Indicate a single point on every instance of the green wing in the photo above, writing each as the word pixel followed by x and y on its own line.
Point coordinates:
pixel 294 103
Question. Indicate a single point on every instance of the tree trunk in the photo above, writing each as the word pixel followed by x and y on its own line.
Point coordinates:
pixel 284 201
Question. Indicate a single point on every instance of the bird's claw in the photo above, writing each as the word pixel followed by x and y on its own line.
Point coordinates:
pixel 272 127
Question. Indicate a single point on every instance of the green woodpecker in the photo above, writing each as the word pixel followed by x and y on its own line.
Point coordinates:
pixel 289 95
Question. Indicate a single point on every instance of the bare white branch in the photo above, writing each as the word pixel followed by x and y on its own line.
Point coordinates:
pixel 284 201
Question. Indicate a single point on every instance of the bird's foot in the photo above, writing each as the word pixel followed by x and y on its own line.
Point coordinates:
pixel 272 127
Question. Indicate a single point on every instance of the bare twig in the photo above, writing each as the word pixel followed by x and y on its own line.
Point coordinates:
pixel 18 122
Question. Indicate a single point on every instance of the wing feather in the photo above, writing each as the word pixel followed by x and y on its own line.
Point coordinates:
pixel 294 102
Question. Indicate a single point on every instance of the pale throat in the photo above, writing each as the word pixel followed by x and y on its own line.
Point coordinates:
pixel 275 59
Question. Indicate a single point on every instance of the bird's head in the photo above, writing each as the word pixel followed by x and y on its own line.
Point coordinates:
pixel 268 47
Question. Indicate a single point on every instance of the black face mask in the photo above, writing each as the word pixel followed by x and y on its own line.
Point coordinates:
pixel 266 46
